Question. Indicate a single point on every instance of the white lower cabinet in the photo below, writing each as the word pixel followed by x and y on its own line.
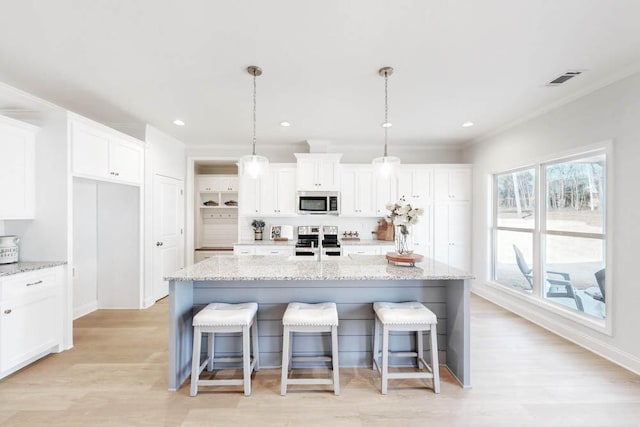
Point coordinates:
pixel 31 318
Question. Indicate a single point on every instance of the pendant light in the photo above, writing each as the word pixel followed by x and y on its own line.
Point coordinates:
pixel 386 165
pixel 253 164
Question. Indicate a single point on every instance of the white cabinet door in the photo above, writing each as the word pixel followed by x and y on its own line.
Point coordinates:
pixel 422 232
pixel 17 170
pixel 452 234
pixel 30 318
pixel 453 184
pixel 317 172
pixel 414 183
pixel 306 175
pixel 90 152
pixel 286 191
pixel 386 192
pixel 277 191
pixel 357 191
pixel 249 196
pixel 125 161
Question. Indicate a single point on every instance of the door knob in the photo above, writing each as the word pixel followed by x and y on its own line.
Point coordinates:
pixel 159 243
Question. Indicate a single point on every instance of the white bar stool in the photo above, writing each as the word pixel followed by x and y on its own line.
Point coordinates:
pixel 225 318
pixel 301 317
pixel 405 316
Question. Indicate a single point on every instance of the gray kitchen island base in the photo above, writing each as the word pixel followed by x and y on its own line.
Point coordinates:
pixel 448 298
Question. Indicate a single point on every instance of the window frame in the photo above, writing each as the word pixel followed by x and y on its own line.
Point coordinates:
pixel 539 232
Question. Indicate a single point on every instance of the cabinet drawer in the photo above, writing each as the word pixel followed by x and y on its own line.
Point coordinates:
pixel 244 250
pixel 273 251
pixel 25 285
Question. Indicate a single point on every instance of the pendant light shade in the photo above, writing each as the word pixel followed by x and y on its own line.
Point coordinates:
pixel 253 165
pixel 386 165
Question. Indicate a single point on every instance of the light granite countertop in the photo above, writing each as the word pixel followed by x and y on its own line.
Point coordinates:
pixel 266 243
pixel 353 267
pixel 23 267
pixel 366 242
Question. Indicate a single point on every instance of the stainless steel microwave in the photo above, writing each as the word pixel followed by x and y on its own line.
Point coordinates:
pixel 318 202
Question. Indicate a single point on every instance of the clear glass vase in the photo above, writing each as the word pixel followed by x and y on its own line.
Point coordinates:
pixel 403 239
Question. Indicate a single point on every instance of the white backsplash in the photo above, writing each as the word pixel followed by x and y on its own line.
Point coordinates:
pixel 364 226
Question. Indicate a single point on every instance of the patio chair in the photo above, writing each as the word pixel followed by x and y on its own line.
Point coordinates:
pixel 600 278
pixel 557 288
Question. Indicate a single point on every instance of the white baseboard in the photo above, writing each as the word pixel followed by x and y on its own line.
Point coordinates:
pixel 84 309
pixel 149 302
pixel 546 320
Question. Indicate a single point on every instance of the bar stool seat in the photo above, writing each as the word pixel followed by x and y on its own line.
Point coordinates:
pixel 225 318
pixel 405 316
pixel 309 318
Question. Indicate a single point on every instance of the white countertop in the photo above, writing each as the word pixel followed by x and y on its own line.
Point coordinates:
pixel 23 267
pixel 353 267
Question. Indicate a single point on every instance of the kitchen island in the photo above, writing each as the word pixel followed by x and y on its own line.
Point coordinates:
pixel 352 282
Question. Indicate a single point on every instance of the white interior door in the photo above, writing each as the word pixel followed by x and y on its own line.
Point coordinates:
pixel 168 226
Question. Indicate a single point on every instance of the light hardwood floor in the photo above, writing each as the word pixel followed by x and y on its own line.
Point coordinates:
pixel 522 376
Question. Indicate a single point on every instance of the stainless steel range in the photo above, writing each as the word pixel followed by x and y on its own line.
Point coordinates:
pixel 308 243
pixel 330 244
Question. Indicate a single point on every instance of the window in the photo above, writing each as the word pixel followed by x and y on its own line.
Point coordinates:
pixel 556 250
pixel 514 225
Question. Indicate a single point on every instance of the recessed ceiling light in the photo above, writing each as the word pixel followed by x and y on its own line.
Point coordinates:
pixel 178 122
pixel 467 124
pixel 386 124
pixel 285 124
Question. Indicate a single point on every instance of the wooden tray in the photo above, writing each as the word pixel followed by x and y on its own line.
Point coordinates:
pixel 408 260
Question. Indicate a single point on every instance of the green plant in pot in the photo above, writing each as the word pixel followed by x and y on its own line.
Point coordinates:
pixel 258 228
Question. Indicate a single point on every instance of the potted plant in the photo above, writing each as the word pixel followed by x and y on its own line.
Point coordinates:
pixel 402 215
pixel 258 227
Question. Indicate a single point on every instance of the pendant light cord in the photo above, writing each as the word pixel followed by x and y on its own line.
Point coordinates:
pixel 254 113
pixel 386 111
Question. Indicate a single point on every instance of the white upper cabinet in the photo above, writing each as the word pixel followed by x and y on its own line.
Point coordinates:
pixel 386 192
pixel 415 184
pixel 100 153
pixel 278 191
pixel 249 196
pixel 218 183
pixel 17 169
pixel 453 183
pixel 357 194
pixel 317 172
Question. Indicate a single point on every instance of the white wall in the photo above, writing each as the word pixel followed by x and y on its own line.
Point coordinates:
pixel 610 113
pixel 165 156
pixel 85 247
pixel 45 237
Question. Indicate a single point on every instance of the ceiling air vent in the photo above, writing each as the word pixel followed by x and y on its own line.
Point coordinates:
pixel 564 77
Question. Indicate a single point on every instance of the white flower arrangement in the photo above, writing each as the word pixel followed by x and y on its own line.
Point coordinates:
pixel 402 214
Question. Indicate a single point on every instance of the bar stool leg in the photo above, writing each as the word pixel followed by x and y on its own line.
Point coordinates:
pixel 256 349
pixel 376 343
pixel 334 360
pixel 285 361
pixel 385 359
pixel 195 361
pixel 210 350
pixel 419 349
pixel 435 367
pixel 246 361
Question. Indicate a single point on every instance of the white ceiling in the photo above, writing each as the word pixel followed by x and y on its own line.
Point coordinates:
pixel 132 62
